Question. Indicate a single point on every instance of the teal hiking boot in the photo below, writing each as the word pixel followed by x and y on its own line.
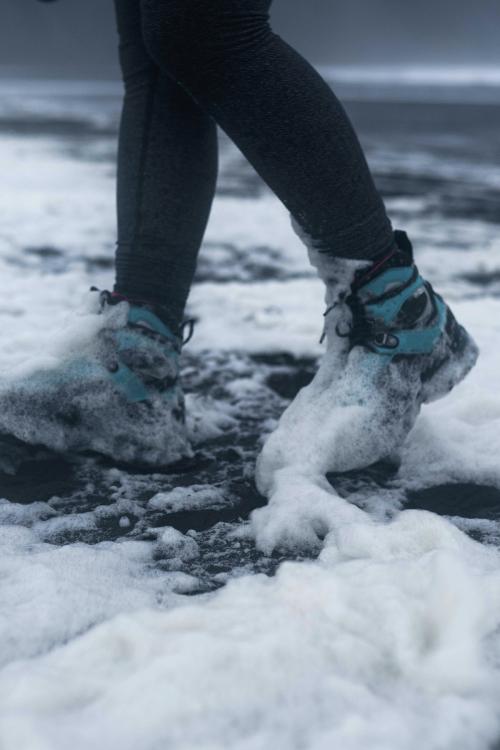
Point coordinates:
pixel 117 394
pixel 392 345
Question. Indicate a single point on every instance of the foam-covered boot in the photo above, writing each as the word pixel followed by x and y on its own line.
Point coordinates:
pixel 115 391
pixel 392 344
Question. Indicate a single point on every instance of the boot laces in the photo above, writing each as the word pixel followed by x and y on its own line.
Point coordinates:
pixel 371 333
pixel 189 323
pixel 362 330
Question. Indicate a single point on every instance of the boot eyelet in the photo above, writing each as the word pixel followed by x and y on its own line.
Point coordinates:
pixel 387 340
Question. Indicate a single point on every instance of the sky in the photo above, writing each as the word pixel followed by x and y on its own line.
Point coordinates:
pixel 77 36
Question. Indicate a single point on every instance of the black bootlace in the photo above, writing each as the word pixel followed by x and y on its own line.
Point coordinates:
pixel 189 324
pixel 362 331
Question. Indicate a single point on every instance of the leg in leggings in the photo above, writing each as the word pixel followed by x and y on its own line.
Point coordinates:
pixel 167 167
pixel 278 111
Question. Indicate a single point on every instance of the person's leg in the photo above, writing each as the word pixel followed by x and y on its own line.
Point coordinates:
pixel 392 341
pixel 167 168
pixel 278 111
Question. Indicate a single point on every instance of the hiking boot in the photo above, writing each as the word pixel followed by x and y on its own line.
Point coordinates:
pixel 116 392
pixel 392 345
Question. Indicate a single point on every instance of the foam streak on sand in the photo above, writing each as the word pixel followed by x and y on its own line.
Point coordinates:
pixel 379 644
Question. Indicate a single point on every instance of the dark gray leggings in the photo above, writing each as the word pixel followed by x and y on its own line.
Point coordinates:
pixel 188 64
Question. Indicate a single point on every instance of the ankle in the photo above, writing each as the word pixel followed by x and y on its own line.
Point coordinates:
pixel 400 254
pixel 167 317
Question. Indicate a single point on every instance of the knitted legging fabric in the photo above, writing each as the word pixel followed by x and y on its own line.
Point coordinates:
pixel 189 65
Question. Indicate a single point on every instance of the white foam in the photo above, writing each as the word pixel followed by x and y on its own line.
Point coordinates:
pixel 177 547
pixel 194 497
pixel 376 648
pixel 51 593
